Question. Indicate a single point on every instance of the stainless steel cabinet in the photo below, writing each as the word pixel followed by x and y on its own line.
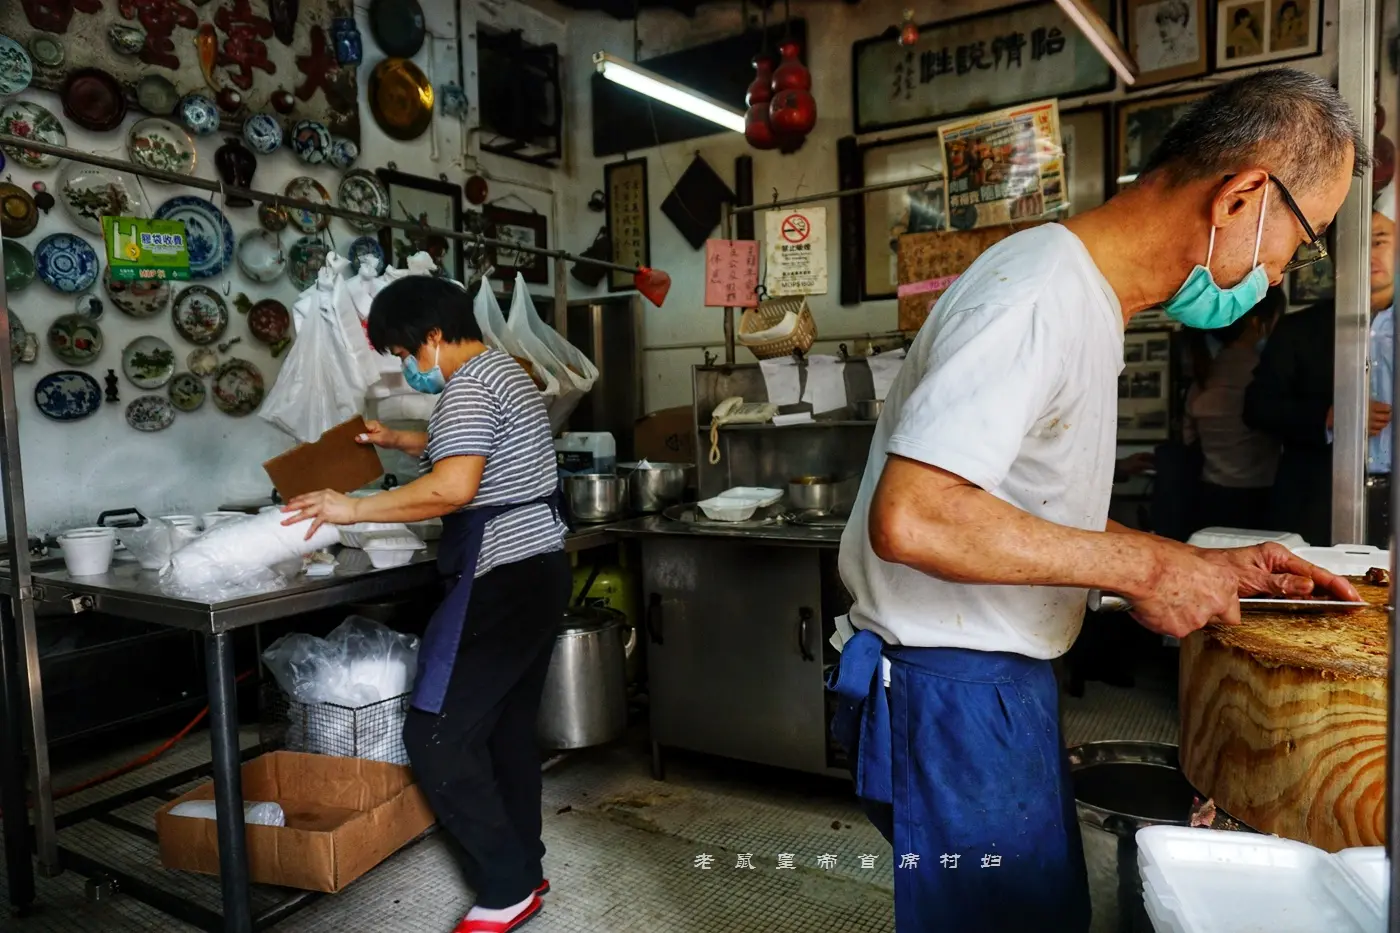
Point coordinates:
pixel 734 650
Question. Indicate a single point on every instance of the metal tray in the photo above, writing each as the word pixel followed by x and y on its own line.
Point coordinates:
pixel 690 514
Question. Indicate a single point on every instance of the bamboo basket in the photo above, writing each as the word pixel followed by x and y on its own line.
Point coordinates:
pixel 770 314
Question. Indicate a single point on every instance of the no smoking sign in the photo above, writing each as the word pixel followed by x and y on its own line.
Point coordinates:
pixel 795 251
pixel 796 228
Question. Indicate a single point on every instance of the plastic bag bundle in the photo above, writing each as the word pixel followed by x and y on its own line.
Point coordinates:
pixel 495 333
pixel 152 543
pixel 564 364
pixel 242 556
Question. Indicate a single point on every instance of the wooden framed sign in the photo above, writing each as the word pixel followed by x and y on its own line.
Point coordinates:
pixel 629 229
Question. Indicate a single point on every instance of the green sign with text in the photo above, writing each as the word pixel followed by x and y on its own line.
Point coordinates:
pixel 140 249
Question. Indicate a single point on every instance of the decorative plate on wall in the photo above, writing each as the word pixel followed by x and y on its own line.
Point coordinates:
pixel 306 256
pixel 202 362
pixel 148 362
pixel 16 69
pixel 19 265
pixel 161 144
pixel 150 413
pixel 263 133
pixel 400 99
pixel 89 193
pixel 187 391
pixel 30 121
pixel 75 338
pixel 238 388
pixel 199 114
pixel 66 263
pixel 201 316
pixel 367 247
pixel 260 255
pixel 364 193
pixel 311 141
pixel 208 234
pixel 93 100
pixel 138 299
pixel 304 188
pixel 18 213
pixel 67 395
pixel 269 320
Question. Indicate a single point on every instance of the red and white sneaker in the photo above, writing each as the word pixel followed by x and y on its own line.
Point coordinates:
pixel 501 926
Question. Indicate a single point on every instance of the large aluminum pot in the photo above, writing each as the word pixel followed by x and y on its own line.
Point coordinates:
pixel 596 497
pixel 656 486
pixel 812 492
pixel 585 692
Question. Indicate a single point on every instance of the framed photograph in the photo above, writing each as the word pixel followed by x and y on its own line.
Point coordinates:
pixel 1256 32
pixel 889 214
pixel 1141 126
pixel 429 202
pixel 625 188
pixel 1168 39
pixel 525 227
pixel 976 63
pixel 1311 284
pixel 1084 134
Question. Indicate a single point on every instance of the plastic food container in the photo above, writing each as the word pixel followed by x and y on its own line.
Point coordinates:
pixel 1350 560
pixel 87 552
pixel 1244 537
pixel 723 509
pixel 391 550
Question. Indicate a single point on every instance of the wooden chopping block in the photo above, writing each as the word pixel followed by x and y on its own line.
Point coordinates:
pixel 1283 722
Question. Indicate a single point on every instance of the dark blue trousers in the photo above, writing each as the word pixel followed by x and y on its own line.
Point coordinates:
pixel 961 766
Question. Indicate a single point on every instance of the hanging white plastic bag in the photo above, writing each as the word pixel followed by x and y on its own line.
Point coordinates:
pixel 496 333
pixel 581 370
pixel 572 384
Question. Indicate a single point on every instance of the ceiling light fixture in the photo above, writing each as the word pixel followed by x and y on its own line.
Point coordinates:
pixel 667 91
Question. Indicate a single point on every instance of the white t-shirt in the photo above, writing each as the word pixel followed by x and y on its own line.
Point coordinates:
pixel 1012 385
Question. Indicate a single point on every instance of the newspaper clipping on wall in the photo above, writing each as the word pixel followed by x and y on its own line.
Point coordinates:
pixel 1003 166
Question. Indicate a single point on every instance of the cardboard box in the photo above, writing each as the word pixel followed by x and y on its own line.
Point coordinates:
pixel 666 436
pixel 344 816
pixel 335 461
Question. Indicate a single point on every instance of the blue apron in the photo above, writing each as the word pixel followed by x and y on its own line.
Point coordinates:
pixel 962 760
pixel 458 553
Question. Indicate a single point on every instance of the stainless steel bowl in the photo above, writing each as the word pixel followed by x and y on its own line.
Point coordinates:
pixel 812 492
pixel 869 409
pixel 656 486
pixel 596 497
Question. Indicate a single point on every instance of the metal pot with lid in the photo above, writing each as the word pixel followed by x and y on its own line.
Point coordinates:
pixel 584 702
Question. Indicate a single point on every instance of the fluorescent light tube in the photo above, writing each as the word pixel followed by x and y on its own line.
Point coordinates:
pixel 667 91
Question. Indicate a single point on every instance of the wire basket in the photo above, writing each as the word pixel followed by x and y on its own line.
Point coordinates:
pixel 769 314
pixel 374 731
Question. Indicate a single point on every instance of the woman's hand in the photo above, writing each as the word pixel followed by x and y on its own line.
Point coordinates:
pixel 379 436
pixel 326 507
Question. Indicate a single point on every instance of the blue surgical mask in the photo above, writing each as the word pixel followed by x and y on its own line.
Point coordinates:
pixel 1202 304
pixel 430 382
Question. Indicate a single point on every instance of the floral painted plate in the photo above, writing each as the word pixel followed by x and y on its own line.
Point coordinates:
pixel 202 362
pixel 150 413
pixel 269 320
pixel 367 247
pixel 208 235
pixel 19 266
pixel 67 395
pixel 364 193
pixel 260 255
pixel 187 391
pixel 30 121
pixel 238 388
pixel 201 316
pixel 162 144
pixel 138 299
pixel 148 362
pixel 66 263
pixel 16 68
pixel 90 193
pixel 75 338
pixel 303 188
pixel 306 256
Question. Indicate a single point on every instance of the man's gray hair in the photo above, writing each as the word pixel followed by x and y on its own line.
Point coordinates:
pixel 1292 123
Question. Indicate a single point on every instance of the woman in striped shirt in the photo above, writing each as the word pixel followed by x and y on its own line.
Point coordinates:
pixel 491 476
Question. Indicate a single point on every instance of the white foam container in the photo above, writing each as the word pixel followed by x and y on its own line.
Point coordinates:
pixel 1215 881
pixel 87 552
pixel 389 548
pixel 1244 537
pixel 725 509
pixel 1349 559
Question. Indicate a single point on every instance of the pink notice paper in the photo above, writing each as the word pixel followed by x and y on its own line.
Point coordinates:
pixel 731 273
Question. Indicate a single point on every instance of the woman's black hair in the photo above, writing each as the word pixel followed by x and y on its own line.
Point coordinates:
pixel 406 311
pixel 1241 15
pixel 1269 309
pixel 1287 4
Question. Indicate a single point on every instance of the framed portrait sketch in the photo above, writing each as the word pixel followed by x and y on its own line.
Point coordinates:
pixel 888 214
pixel 1141 126
pixel 1084 134
pixel 1256 32
pixel 526 227
pixel 430 202
pixel 1168 39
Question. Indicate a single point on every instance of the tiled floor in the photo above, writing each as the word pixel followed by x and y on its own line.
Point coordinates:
pixel 622 850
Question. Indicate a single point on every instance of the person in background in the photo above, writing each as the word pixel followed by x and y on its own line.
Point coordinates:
pixel 1291 399
pixel 1238 463
pixel 492 478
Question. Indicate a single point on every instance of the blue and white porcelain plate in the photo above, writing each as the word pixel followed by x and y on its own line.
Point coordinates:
pixel 263 133
pixel 67 395
pixel 366 246
pixel 208 234
pixel 199 114
pixel 66 263
pixel 16 68
pixel 311 141
pixel 150 413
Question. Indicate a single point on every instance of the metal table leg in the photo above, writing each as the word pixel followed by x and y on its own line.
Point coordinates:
pixel 19 866
pixel 228 783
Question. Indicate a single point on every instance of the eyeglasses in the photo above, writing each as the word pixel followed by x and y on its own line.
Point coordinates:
pixel 1311 251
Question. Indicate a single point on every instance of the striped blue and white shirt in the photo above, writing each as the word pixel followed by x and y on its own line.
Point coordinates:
pixel 490 408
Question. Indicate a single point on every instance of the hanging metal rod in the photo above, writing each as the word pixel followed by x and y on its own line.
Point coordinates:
pixel 278 200
pixel 827 195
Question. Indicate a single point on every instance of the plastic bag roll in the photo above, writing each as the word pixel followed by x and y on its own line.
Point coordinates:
pixel 255 812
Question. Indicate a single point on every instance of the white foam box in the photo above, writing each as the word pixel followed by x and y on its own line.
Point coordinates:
pixel 1215 881
pixel 1348 559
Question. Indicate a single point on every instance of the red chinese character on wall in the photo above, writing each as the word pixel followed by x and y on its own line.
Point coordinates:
pixel 244 49
pixel 55 15
pixel 159 17
pixel 317 66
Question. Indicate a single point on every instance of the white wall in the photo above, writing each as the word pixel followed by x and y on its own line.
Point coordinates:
pixel 831 28
pixel 74 471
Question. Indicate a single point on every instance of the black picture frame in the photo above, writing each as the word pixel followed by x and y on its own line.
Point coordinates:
pixel 1221 14
pixel 439 199
pixel 1110 81
pixel 1172 74
pixel 1124 110
pixel 873 227
pixel 625 247
pixel 1109 155
pixel 532 266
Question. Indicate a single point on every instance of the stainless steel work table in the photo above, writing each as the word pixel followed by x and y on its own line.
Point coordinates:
pixel 129 592
pixel 791 535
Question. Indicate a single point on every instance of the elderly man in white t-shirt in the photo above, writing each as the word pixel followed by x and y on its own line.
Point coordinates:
pixel 982 519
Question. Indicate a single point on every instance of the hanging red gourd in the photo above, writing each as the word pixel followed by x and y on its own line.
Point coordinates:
pixel 757 129
pixel 793 110
pixel 791 74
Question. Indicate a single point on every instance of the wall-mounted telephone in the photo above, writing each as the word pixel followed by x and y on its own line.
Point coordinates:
pixel 737 411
